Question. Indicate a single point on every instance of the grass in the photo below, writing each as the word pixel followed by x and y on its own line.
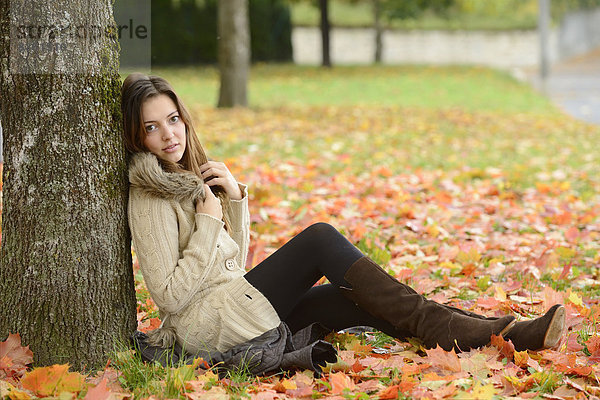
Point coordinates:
pixel 468 88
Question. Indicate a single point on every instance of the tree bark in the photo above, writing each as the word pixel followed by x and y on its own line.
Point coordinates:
pixel 325 30
pixel 66 277
pixel 233 52
pixel 378 31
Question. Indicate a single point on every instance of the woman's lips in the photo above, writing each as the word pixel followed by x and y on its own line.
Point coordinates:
pixel 171 148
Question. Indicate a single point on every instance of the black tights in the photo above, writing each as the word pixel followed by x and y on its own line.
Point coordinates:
pixel 287 276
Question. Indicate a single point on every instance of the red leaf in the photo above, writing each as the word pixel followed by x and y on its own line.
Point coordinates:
pixel 98 392
pixel 357 367
pixel 14 357
pixel 488 303
pixel 593 345
pixel 572 234
pixel 390 392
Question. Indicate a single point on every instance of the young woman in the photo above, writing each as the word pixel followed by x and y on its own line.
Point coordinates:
pixel 190 227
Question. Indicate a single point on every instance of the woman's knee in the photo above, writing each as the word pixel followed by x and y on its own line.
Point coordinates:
pixel 321 229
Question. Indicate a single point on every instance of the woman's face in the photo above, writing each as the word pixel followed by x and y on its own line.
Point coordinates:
pixel 163 127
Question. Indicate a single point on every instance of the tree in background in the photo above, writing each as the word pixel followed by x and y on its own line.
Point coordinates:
pixel 394 9
pixel 233 52
pixel 325 32
pixel 66 275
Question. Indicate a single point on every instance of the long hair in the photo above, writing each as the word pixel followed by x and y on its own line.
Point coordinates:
pixel 136 89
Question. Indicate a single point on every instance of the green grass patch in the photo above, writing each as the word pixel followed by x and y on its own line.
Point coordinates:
pixel 468 88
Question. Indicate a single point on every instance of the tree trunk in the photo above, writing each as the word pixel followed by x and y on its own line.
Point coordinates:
pixel 66 277
pixel 378 30
pixel 325 29
pixel 234 52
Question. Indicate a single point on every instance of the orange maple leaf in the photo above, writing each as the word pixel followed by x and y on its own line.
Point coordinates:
pixel 507 349
pixel 444 359
pixel 13 357
pixel 340 381
pixel 49 381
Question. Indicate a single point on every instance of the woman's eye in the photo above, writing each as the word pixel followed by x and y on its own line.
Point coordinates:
pixel 150 128
pixel 175 118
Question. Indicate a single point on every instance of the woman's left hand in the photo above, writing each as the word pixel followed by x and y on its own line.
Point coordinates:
pixel 222 177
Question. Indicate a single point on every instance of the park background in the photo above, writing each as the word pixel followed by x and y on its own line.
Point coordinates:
pixel 467 183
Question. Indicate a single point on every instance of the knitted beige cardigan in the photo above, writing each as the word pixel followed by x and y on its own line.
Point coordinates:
pixel 193 267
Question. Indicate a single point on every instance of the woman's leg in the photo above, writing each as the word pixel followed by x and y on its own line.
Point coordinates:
pixel 287 274
pixel 327 305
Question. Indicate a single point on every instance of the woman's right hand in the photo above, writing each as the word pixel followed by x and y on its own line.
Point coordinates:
pixel 211 204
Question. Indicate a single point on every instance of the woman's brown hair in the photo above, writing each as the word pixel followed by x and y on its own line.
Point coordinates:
pixel 136 89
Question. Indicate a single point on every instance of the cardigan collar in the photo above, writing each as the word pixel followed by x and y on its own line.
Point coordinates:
pixel 145 173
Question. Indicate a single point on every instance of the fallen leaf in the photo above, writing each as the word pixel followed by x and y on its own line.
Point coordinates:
pixel 339 382
pixel 9 391
pixel 521 358
pixel 52 380
pixel 14 358
pixel 390 392
pixel 284 384
pixel 98 392
pixel 482 392
pixel 506 348
pixel 441 358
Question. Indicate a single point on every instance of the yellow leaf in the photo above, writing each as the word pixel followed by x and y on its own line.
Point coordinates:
pixel 285 384
pixel 483 392
pixel 66 396
pixel 500 294
pixel 8 390
pixel 565 252
pixel 470 257
pixel 521 358
pixel 575 299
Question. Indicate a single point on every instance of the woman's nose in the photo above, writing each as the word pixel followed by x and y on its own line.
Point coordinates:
pixel 168 134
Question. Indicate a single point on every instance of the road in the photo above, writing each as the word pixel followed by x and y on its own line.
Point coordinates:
pixel 574 86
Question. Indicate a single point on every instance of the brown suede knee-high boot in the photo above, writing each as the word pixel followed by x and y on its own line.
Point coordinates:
pixel 380 294
pixel 536 334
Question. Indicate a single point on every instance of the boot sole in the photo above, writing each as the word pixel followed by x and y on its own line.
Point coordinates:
pixel 555 328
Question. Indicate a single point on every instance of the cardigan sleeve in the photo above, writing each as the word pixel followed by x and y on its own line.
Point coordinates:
pixel 240 225
pixel 172 280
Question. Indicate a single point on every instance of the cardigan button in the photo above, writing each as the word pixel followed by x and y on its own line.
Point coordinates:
pixel 230 264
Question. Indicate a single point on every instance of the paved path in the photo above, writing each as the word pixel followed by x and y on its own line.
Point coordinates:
pixel 575 86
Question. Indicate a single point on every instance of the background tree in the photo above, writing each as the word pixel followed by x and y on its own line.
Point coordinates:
pixel 66 277
pixel 233 52
pixel 325 32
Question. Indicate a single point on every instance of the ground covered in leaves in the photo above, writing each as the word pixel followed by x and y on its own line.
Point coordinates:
pixel 493 211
